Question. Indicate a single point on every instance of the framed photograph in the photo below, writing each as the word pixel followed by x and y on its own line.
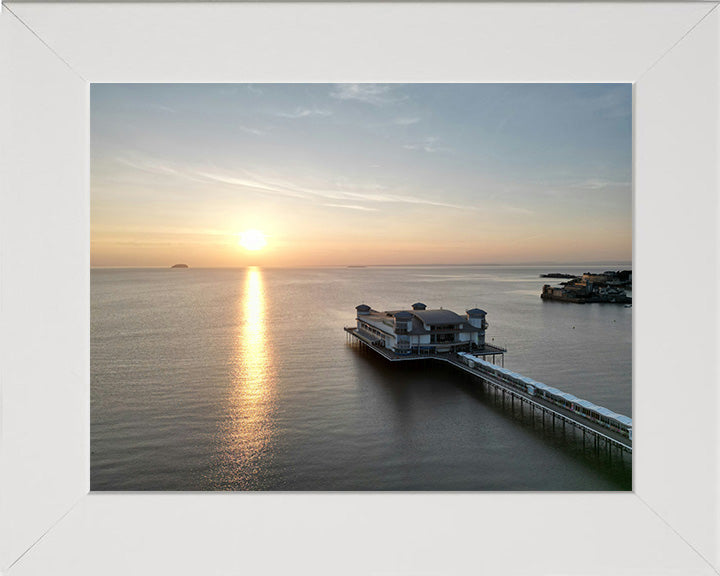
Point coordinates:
pixel 66 68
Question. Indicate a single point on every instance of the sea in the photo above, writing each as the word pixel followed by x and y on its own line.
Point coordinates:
pixel 244 379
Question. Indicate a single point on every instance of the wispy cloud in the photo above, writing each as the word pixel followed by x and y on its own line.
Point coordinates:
pixel 253 184
pixel 341 194
pixel 147 165
pixel 358 193
pixel 352 207
pixel 375 94
pixel 512 209
pixel 235 89
pixel 427 144
pixel 249 130
pixel 303 113
pixel 162 108
pixel 395 198
pixel 599 184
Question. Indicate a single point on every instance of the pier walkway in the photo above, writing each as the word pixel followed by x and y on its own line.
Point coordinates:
pixel 597 434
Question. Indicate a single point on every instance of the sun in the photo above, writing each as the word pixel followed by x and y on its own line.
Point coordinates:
pixel 252 240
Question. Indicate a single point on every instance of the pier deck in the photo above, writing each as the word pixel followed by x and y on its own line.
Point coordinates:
pixel 486 350
pixel 585 425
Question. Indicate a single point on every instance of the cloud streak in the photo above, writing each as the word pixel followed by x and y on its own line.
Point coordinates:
pixel 600 184
pixel 358 194
pixel 427 144
pixel 253 131
pixel 352 207
pixel 353 196
pixel 374 94
pixel 303 113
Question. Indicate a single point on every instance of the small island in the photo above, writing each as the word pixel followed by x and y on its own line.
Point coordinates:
pixel 179 266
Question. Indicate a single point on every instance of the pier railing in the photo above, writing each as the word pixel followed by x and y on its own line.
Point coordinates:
pixel 584 425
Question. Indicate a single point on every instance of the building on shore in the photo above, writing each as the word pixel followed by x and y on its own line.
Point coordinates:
pixel 422 331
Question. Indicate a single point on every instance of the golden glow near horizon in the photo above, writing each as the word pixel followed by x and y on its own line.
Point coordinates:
pixel 252 240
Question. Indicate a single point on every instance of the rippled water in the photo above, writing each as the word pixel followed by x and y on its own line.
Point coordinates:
pixel 242 379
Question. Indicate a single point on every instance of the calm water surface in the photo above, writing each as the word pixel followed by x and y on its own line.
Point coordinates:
pixel 242 379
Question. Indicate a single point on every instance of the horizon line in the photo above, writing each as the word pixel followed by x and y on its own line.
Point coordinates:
pixel 465 264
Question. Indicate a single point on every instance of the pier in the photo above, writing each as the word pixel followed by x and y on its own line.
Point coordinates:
pixel 598 436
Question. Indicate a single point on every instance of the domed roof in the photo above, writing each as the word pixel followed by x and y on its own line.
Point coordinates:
pixel 475 312
pixel 419 306
pixel 362 308
pixel 403 315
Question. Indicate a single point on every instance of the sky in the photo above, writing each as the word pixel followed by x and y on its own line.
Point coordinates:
pixel 360 174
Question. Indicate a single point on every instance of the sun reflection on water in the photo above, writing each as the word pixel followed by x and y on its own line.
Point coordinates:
pixel 247 435
pixel 253 355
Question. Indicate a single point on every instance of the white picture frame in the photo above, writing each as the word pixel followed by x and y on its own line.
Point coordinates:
pixel 51 524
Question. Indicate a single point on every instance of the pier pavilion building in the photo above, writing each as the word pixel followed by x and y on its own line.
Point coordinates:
pixel 422 331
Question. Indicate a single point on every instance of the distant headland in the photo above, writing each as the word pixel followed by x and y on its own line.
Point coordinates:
pixel 179 266
pixel 609 286
pixel 558 275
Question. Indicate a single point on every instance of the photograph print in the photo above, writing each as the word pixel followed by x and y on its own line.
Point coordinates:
pixel 361 287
